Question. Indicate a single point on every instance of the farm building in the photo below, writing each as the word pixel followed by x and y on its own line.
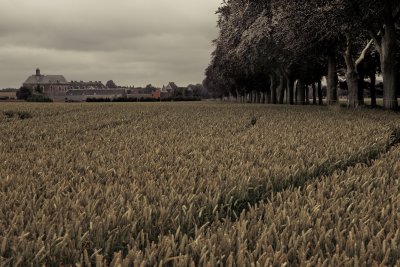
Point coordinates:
pixel 50 85
pixel 58 88
pixel 8 95
pixel 87 85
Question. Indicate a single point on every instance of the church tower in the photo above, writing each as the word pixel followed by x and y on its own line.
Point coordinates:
pixel 37 72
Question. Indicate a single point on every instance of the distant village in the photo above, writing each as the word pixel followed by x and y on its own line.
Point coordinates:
pixel 57 88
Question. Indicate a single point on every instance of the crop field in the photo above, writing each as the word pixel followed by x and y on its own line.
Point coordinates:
pixel 198 184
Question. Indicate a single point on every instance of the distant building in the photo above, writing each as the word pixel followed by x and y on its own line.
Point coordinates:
pixel 87 85
pixel 169 90
pixel 50 85
pixel 156 94
pixel 58 88
pixel 8 95
pixel 171 87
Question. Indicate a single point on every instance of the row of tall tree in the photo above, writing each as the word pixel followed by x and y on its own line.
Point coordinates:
pixel 272 51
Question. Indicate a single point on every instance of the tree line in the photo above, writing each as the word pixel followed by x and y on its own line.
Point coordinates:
pixel 273 51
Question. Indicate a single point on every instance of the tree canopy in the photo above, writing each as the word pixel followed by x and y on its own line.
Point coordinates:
pixel 275 51
pixel 24 93
pixel 111 84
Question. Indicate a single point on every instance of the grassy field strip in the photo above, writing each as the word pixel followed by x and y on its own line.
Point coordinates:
pixel 350 218
pixel 168 169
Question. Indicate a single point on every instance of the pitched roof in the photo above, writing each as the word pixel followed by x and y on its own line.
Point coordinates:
pixel 98 84
pixel 45 79
pixel 171 86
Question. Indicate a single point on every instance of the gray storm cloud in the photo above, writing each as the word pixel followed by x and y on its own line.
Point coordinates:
pixel 133 42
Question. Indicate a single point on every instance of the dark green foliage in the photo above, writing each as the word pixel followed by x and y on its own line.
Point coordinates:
pixel 291 41
pixel 183 98
pixel 111 84
pixel 38 98
pixel 24 93
pixel 39 89
pixel 98 100
pixel 142 99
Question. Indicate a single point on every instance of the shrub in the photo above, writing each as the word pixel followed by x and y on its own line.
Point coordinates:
pixel 98 100
pixel 185 98
pixel 24 93
pixel 145 99
pixel 38 98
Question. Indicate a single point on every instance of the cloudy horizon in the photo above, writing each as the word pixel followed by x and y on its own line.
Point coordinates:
pixel 132 42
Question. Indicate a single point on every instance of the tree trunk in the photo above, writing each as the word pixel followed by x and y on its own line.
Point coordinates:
pixel 286 93
pixel 331 80
pixel 320 97
pixel 386 44
pixel 268 96
pixel 307 90
pixel 389 68
pixel 273 89
pixel 300 92
pixel 361 83
pixel 372 88
pixel 352 84
pixel 351 75
pixel 290 86
pixel 314 94
pixel 281 89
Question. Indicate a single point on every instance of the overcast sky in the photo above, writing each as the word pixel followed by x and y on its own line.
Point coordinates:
pixel 133 42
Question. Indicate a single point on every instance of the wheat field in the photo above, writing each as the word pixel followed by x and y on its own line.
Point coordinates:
pixel 197 184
